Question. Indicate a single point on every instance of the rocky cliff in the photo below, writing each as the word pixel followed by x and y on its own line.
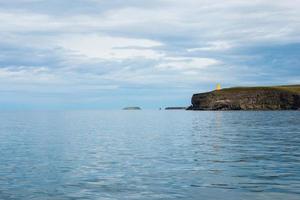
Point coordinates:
pixel 249 98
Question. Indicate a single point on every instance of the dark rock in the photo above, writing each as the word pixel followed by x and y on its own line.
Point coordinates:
pixel 252 98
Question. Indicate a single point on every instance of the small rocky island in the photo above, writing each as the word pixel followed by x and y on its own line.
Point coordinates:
pixel 249 98
pixel 175 108
pixel 132 108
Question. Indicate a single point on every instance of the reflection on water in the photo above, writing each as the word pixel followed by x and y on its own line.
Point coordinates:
pixel 149 155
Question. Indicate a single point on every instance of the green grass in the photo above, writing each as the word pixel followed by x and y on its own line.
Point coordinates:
pixel 289 88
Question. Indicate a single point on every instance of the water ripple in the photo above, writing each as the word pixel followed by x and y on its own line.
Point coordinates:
pixel 149 155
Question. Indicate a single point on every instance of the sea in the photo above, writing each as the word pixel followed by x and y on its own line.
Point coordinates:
pixel 149 155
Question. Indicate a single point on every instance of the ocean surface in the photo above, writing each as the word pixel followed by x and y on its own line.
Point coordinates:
pixel 153 155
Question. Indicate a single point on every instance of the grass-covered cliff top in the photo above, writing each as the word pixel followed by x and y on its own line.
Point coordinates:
pixel 288 88
pixel 291 88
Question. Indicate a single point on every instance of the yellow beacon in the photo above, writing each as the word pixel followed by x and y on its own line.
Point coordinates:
pixel 218 86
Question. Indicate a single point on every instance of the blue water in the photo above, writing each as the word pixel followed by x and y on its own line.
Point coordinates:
pixel 149 155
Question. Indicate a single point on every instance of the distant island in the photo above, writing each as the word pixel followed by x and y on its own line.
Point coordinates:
pixel 249 98
pixel 175 108
pixel 132 108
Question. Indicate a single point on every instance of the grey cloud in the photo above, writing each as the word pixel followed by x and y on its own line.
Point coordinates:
pixel 19 55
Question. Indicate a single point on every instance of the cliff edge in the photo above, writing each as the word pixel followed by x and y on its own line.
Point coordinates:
pixel 249 98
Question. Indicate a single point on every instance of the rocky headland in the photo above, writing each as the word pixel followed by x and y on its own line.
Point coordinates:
pixel 249 98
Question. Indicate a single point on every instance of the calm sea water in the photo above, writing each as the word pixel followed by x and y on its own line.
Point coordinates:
pixel 149 155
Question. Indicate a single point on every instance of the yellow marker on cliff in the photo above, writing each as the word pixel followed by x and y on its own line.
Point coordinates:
pixel 218 86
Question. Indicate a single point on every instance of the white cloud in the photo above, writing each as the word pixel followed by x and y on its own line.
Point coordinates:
pixel 107 47
pixel 187 63
pixel 213 46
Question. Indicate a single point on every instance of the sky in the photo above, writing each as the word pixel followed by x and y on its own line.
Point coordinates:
pixel 108 54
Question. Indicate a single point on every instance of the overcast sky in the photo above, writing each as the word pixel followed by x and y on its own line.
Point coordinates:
pixel 112 53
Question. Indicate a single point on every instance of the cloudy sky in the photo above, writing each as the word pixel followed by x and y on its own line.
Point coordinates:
pixel 108 54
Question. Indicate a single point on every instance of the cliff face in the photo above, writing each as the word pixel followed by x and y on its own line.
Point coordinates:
pixel 255 98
